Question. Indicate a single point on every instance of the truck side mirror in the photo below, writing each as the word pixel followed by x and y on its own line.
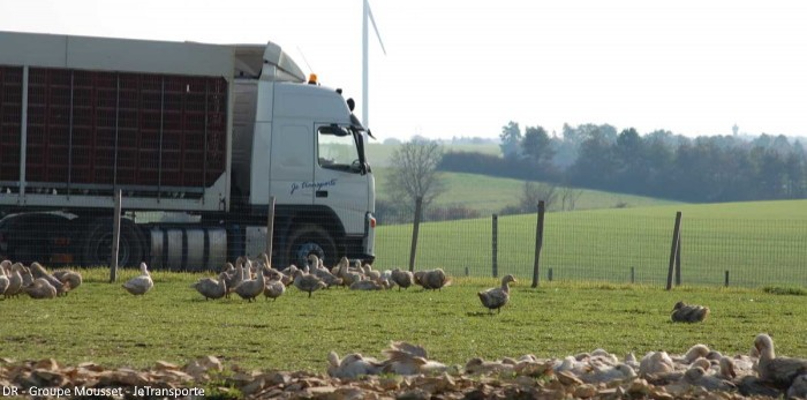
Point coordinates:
pixel 333 130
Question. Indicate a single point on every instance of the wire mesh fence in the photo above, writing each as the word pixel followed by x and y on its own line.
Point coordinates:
pixel 615 246
pixel 610 247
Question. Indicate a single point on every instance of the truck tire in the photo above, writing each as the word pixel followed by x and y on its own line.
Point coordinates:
pixel 96 248
pixel 29 235
pixel 311 239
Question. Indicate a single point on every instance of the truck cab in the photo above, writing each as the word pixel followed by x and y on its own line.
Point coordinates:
pixel 298 141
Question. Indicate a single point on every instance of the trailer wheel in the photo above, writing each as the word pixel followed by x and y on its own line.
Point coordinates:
pixel 311 239
pixel 97 246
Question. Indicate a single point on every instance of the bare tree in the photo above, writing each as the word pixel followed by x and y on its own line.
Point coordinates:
pixel 569 196
pixel 536 191
pixel 414 166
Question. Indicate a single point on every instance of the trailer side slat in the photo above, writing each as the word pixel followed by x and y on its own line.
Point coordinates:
pixel 171 139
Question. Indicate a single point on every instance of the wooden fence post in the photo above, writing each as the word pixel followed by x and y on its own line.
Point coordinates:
pixel 415 229
pixel 727 278
pixel 674 249
pixel 539 241
pixel 678 262
pixel 270 228
pixel 632 275
pixel 113 268
pixel 495 245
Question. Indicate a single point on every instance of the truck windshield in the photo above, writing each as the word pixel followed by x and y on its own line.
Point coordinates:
pixel 337 149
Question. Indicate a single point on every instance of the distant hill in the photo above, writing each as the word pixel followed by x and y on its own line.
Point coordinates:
pixel 489 194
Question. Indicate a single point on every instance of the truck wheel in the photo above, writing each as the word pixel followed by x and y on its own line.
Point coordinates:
pixel 311 239
pixel 97 246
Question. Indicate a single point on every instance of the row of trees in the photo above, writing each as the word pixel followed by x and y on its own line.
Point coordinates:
pixel 659 164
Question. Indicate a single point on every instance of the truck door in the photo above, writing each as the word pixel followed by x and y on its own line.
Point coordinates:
pixel 340 180
pixel 290 172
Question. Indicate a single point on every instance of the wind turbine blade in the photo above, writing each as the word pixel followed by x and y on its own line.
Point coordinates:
pixel 378 35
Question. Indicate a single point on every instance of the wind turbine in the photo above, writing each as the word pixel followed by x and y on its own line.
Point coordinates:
pixel 367 13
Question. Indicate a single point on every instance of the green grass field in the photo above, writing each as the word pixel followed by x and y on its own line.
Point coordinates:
pixel 759 243
pixel 100 322
pixel 490 194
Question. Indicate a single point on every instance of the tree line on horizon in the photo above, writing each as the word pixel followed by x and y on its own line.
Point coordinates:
pixel 657 164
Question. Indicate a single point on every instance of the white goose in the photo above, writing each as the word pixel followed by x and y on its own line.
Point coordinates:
pixel 211 288
pixel 251 288
pixel 72 279
pixel 496 298
pixel 4 282
pixel 274 289
pixel 780 371
pixel 402 278
pixel 38 271
pixel 14 281
pixel 141 284
pixel 41 289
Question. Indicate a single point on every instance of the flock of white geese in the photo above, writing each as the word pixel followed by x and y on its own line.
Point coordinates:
pixel 250 279
pixel 35 281
pixel 759 373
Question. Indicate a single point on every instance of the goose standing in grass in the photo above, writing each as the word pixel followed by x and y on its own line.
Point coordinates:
pixel 272 274
pixel 274 288
pixel 289 273
pixel 434 279
pixel 780 371
pixel 323 273
pixel 496 298
pixel 38 271
pixel 252 288
pixel 368 271
pixel 211 288
pixel 27 278
pixel 307 282
pixel 141 284
pixel 402 278
pixel 14 281
pixel 683 312
pixel 263 260
pixel 348 276
pixel 41 289
pixel 230 277
pixel 4 282
pixel 72 278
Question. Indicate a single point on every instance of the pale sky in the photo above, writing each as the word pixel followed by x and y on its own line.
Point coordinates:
pixel 464 68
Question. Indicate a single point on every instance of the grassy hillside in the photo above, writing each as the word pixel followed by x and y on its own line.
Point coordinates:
pixel 758 243
pixel 490 194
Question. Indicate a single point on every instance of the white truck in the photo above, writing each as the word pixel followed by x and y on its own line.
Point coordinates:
pixel 197 137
